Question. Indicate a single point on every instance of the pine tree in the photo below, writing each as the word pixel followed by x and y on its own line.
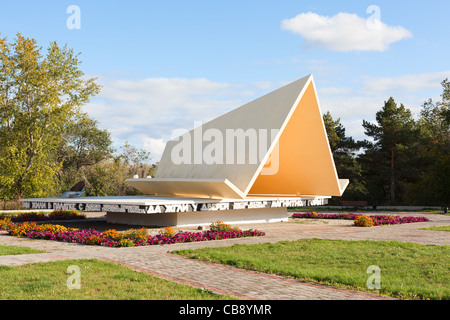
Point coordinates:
pixel 389 158
pixel 344 151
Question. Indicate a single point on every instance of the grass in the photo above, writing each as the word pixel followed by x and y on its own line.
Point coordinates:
pixel 408 271
pixel 100 280
pixel 444 228
pixel 11 250
pixel 434 211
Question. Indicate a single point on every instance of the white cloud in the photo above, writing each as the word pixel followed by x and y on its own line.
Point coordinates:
pixel 146 112
pixel 331 91
pixel 406 83
pixel 345 32
pixel 352 105
pixel 155 146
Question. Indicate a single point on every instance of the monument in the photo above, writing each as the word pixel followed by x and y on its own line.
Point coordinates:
pixel 248 165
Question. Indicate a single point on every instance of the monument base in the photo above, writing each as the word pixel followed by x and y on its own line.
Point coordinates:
pixel 200 218
pixel 176 211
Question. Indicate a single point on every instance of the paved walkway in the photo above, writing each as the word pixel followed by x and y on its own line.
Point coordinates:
pixel 223 279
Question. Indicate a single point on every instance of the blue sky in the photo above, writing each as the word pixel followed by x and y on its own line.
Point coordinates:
pixel 165 64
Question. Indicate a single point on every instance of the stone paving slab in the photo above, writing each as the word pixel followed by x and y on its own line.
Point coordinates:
pixel 222 279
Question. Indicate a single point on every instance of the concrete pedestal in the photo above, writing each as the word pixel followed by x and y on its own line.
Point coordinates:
pixel 199 218
pixel 175 211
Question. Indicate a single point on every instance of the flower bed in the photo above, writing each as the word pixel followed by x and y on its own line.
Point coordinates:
pixel 113 238
pixel 315 215
pixel 377 220
pixel 41 216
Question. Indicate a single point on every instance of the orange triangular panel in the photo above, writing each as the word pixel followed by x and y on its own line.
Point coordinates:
pixel 305 163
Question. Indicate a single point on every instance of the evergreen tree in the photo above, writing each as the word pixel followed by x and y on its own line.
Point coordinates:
pixel 390 160
pixel 434 185
pixel 344 151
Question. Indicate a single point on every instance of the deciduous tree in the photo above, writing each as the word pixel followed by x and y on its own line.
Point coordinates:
pixel 40 93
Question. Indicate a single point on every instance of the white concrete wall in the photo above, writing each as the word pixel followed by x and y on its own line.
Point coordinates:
pixel 200 218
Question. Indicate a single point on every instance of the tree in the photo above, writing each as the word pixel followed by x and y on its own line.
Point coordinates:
pixel 389 160
pixel 83 145
pixel 340 144
pixel 107 178
pixel 344 151
pixel 434 123
pixel 39 95
pixel 132 156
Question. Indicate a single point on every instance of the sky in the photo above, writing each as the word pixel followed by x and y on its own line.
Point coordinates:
pixel 166 66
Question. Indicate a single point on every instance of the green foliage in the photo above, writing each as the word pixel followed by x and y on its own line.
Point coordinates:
pixel 344 151
pixel 434 184
pixel 39 95
pixel 389 161
pixel 132 156
pixel 84 144
pixel 405 161
pixel 107 177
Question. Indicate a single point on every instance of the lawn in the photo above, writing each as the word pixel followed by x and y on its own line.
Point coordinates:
pixel 11 250
pixel 99 280
pixel 444 228
pixel 408 271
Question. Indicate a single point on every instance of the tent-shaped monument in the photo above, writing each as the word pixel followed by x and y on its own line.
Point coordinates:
pixel 286 153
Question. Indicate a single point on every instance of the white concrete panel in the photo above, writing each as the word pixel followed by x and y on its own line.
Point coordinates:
pixel 202 188
pixel 201 218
